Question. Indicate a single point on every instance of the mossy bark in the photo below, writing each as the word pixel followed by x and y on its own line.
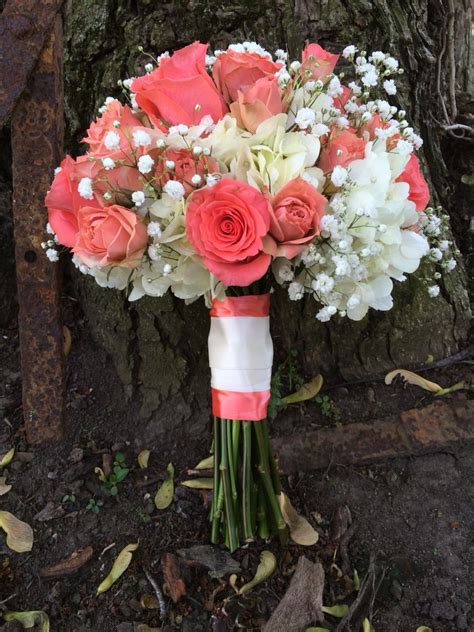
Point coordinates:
pixel 159 345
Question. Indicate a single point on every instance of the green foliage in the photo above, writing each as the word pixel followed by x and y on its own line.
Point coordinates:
pixel 69 498
pixel 119 473
pixel 329 409
pixel 94 505
pixel 285 380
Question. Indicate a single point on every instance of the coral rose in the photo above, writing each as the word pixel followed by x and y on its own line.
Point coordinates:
pixel 297 209
pixel 419 191
pixel 180 90
pixel 103 124
pixel 239 71
pixel 257 103
pixel 110 236
pixel 341 149
pixel 227 224
pixel 319 62
pixel 63 200
pixel 186 166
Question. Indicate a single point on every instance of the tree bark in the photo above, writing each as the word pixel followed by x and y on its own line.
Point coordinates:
pixel 159 346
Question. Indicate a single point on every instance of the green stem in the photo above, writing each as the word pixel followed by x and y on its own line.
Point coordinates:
pixel 228 503
pixel 247 481
pixel 232 461
pixel 263 468
pixel 263 529
pixel 273 464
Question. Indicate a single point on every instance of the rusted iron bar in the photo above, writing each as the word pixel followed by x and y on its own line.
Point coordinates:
pixel 439 426
pixel 37 140
pixel 24 26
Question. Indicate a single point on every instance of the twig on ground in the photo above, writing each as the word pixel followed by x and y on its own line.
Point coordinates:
pixel 158 593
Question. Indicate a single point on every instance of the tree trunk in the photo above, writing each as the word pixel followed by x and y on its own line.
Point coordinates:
pixel 159 346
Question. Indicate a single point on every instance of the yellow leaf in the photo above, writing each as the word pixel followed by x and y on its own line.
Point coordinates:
pixel 143 459
pixel 316 630
pixel 199 483
pixel 164 495
pixel 356 580
pixel 149 602
pixel 233 582
pixel 307 391
pixel 19 534
pixel 4 488
pixel 301 531
pixel 264 570
pixel 67 341
pixel 206 464
pixel 6 458
pixel 338 611
pixel 412 378
pixel 119 567
pixel 100 472
pixel 367 626
pixel 30 619
pixel 450 389
pixel 424 628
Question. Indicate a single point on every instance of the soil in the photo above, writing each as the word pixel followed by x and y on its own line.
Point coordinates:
pixel 414 514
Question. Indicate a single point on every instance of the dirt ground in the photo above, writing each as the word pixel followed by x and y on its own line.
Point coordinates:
pixel 416 515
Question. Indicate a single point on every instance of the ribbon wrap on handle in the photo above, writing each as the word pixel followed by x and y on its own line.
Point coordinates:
pixel 240 357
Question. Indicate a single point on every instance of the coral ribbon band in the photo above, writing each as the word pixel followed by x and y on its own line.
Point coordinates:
pixel 243 406
pixel 240 357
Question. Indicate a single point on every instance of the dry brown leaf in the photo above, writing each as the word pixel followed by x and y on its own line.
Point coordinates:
pixel 301 531
pixel 71 565
pixel 412 378
pixel 4 488
pixel 19 534
pixel 174 583
pixel 143 459
pixel 119 567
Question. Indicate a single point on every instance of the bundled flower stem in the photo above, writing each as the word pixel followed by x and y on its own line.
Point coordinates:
pixel 246 484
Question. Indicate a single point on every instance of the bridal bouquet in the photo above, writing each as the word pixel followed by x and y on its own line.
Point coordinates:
pixel 226 174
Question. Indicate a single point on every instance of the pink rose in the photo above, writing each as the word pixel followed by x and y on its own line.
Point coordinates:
pixel 227 224
pixel 186 166
pixel 341 149
pixel 419 191
pixel 297 209
pixel 63 200
pixel 180 90
pixel 239 71
pixel 257 103
pixel 111 235
pixel 318 61
pixel 105 123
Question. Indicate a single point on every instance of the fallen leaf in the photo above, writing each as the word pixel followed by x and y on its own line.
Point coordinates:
pixel 30 619
pixel 119 567
pixel 218 561
pixel 49 512
pixel 367 626
pixel 451 389
pixel 233 582
pixel 356 580
pixel 164 495
pixel 424 628
pixel 6 458
pixel 301 531
pixel 4 488
pixel 19 534
pixel 143 459
pixel 412 378
pixel 67 341
pixel 149 602
pixel 174 583
pixel 264 570
pixel 338 611
pixel 199 483
pixel 69 566
pixel 206 464
pixel 316 630
pixel 100 473
pixel 307 391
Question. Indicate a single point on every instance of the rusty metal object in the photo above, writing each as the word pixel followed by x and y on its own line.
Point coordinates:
pixel 439 426
pixel 24 27
pixel 37 139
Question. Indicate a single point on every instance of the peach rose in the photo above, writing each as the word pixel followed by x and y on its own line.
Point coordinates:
pixel 186 166
pixel 110 235
pixel 419 191
pixel 180 90
pixel 297 209
pixel 103 124
pixel 341 149
pixel 239 71
pixel 227 224
pixel 63 200
pixel 318 61
pixel 257 103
